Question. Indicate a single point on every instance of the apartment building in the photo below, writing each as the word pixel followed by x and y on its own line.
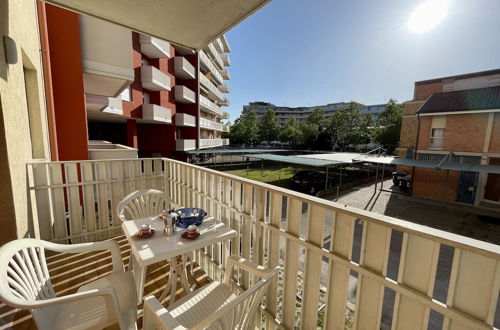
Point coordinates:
pixel 301 113
pixel 454 119
pixel 121 94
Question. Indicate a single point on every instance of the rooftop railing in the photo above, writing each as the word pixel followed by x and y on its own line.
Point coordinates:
pixel 338 262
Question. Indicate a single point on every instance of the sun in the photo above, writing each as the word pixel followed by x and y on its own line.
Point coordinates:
pixel 428 15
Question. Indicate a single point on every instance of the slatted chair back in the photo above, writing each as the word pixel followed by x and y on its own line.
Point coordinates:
pixel 24 276
pixel 141 203
pixel 240 311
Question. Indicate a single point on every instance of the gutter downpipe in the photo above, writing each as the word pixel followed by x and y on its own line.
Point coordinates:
pixel 415 154
pixel 47 79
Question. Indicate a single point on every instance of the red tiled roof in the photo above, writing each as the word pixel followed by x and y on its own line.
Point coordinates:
pixel 466 100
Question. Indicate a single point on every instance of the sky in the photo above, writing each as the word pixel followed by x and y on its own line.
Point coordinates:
pixel 313 52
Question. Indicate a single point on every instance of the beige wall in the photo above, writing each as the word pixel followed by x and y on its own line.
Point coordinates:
pixel 18 20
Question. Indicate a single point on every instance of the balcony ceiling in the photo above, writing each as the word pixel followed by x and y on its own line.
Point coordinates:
pixel 191 23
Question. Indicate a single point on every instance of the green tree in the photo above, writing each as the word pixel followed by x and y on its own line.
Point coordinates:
pixel 309 134
pixel 388 124
pixel 291 133
pixel 349 126
pixel 244 129
pixel 317 117
pixel 269 127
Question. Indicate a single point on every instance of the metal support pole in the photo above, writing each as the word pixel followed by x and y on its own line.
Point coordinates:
pixel 326 179
pixel 248 166
pixel 383 176
pixel 262 167
pixel 279 173
pixel 376 179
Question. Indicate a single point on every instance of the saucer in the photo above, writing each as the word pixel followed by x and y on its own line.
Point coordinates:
pixel 139 235
pixel 190 238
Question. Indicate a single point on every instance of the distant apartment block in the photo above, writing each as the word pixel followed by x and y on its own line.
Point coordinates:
pixel 134 91
pixel 454 119
pixel 301 113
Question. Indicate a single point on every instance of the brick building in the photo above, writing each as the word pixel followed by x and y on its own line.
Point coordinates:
pixel 454 119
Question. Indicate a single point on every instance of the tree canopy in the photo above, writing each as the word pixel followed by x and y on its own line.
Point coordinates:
pixel 269 127
pixel 388 125
pixel 244 129
pixel 291 133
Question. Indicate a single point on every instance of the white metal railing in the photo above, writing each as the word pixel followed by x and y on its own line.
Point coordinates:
pixel 213 90
pixel 209 106
pixel 326 249
pixel 210 67
pixel 210 124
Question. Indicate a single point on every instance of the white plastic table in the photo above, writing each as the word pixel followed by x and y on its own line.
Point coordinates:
pixel 147 251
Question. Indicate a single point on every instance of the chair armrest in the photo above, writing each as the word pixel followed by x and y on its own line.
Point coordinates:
pixel 242 263
pixel 109 245
pixel 156 316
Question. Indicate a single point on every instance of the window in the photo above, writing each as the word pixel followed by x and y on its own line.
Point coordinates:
pixel 437 138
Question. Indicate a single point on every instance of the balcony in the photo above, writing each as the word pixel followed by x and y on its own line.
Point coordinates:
pixel 208 66
pixel 224 88
pixel 215 56
pixel 225 44
pixel 219 46
pixel 225 102
pixel 106 57
pixel 225 59
pixel 108 150
pixel 183 69
pixel 185 145
pixel 154 47
pixel 155 114
pixel 184 95
pixel 209 106
pixel 339 264
pixel 103 104
pixel 211 125
pixel 225 115
pixel 211 143
pixel 185 120
pixel 153 79
pixel 213 92
pixel 225 74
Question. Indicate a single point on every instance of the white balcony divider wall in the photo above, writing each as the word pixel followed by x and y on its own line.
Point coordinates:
pixel 76 201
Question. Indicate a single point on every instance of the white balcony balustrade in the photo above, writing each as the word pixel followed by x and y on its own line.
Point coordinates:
pixel 225 102
pixel 99 149
pixel 183 69
pixel 224 88
pixel 225 115
pixel 225 74
pixel 153 79
pixel 225 59
pixel 154 47
pixel 185 120
pixel 210 143
pixel 225 44
pixel 208 66
pixel 211 125
pixel 215 55
pixel 326 250
pixel 155 114
pixel 209 106
pixel 219 46
pixel 184 94
pixel 212 90
pixel 185 144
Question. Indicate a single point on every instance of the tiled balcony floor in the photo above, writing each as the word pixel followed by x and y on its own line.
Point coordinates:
pixel 70 271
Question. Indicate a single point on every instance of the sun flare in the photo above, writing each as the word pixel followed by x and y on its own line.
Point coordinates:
pixel 428 15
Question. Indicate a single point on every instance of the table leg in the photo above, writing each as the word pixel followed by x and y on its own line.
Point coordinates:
pixel 175 270
pixel 139 277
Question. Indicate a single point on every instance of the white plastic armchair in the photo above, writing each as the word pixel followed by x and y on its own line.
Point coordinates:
pixel 140 204
pixel 213 306
pixel 25 283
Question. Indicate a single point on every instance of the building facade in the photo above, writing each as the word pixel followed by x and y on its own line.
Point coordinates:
pixel 284 114
pixel 120 94
pixel 458 118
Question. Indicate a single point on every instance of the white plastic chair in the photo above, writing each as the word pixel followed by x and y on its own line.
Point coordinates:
pixel 141 204
pixel 213 306
pixel 25 283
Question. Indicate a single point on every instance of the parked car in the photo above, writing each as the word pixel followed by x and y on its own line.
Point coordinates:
pixel 308 181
